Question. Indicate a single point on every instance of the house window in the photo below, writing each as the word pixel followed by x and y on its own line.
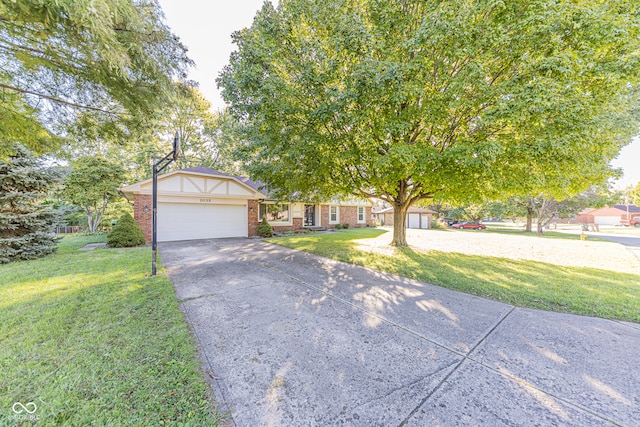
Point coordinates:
pixel 361 218
pixel 334 217
pixel 274 212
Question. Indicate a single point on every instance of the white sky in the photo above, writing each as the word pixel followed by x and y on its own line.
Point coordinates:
pixel 205 27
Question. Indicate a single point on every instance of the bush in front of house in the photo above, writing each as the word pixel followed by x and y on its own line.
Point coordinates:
pixel 338 226
pixel 265 229
pixel 126 233
pixel 345 225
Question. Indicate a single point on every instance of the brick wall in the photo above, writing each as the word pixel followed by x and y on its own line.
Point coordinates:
pixel 253 207
pixel 296 225
pixel 324 216
pixel 253 221
pixel 144 219
pixel 349 215
pixel 388 219
pixel 346 215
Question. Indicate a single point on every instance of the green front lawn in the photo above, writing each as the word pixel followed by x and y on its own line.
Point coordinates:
pixel 586 291
pixel 547 234
pixel 91 339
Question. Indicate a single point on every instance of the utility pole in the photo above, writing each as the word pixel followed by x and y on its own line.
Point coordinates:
pixel 158 167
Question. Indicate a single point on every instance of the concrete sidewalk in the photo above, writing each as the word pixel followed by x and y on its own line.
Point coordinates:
pixel 294 339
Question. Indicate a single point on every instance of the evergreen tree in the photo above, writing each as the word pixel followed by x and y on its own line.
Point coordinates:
pixel 26 223
pixel 126 233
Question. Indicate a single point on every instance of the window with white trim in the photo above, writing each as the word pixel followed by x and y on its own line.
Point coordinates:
pixel 334 215
pixel 361 218
pixel 275 212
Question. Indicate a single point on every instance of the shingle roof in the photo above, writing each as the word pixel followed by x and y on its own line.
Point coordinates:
pixel 632 208
pixel 204 169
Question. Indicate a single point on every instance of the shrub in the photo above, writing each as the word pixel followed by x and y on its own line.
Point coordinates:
pixel 338 226
pixel 126 233
pixel 438 225
pixel 265 229
pixel 345 226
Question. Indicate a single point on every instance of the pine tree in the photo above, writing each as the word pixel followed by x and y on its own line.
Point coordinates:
pixel 26 223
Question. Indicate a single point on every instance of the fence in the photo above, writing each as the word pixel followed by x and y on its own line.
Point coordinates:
pixel 66 229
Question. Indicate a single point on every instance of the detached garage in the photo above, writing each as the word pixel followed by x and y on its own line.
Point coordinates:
pixel 194 203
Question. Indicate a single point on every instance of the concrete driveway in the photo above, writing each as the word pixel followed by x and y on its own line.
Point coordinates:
pixel 289 338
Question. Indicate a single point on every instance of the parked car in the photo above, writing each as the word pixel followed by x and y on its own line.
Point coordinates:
pixel 634 222
pixel 470 225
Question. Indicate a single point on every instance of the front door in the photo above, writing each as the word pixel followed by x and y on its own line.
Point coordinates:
pixel 309 215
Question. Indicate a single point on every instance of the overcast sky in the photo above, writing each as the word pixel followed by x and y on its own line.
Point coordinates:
pixel 205 27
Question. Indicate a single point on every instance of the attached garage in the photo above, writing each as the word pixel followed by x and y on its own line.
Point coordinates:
pixel 194 203
pixel 606 220
pixel 187 221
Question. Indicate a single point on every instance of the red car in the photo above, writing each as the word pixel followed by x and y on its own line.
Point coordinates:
pixel 469 225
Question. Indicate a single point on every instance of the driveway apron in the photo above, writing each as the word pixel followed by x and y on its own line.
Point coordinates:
pixel 289 338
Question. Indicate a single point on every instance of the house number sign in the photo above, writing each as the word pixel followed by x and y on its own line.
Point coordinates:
pixel 205 200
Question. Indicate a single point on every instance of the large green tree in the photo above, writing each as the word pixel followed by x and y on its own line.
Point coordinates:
pixel 92 184
pixel 93 63
pixel 26 223
pixel 407 100
pixel 208 138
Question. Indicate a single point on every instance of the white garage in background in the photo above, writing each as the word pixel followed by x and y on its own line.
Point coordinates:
pixel 606 220
pixel 194 203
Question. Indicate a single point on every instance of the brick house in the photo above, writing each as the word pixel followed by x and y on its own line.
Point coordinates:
pixel 614 215
pixel 202 203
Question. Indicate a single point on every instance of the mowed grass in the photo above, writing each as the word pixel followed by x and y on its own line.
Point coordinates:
pixel 91 339
pixel 586 291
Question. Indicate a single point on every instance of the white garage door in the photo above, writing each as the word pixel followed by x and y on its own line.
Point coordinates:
pixel 425 221
pixel 187 221
pixel 413 221
pixel 606 220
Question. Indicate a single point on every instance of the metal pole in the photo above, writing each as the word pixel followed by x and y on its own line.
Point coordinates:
pixel 157 168
pixel 154 220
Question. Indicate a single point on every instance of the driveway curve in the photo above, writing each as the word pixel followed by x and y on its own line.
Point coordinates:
pixel 289 338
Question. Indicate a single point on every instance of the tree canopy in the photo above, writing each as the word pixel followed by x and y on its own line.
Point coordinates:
pixel 92 184
pixel 457 100
pixel 207 138
pixel 102 63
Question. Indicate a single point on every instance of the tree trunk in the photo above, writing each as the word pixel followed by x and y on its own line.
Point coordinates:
pixel 529 220
pixel 400 225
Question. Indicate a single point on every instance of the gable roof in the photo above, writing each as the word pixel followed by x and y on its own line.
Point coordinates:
pixel 256 185
pixel 204 170
pixel 606 211
pixel 131 189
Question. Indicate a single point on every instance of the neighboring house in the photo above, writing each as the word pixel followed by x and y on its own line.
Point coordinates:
pixel 416 217
pixel 615 215
pixel 202 203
